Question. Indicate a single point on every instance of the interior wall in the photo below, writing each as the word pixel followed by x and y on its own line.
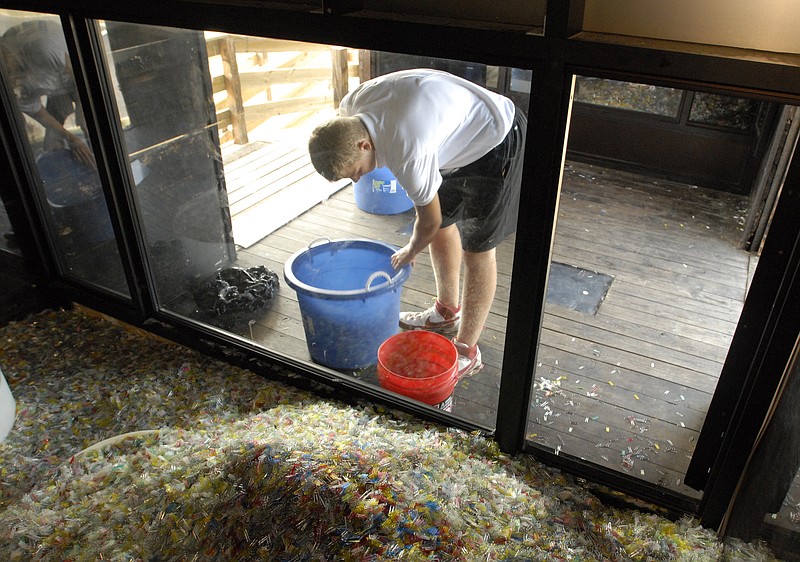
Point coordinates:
pixel 766 25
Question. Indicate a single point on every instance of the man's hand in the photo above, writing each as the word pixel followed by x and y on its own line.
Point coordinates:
pixel 402 257
pixel 81 152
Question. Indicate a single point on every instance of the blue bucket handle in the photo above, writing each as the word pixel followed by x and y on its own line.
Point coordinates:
pixel 310 244
pixel 374 276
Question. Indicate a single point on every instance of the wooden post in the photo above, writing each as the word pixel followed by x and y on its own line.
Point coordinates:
pixel 340 74
pixel 233 85
pixel 364 65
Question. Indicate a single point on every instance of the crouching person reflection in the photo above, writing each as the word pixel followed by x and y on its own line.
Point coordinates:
pixel 38 66
pixel 38 69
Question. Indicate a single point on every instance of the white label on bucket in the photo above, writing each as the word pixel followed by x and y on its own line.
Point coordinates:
pixel 389 186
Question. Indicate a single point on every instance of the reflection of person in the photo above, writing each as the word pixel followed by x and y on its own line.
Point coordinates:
pixel 456 148
pixel 36 57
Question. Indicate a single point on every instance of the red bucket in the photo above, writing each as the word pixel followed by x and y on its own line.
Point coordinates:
pixel 420 365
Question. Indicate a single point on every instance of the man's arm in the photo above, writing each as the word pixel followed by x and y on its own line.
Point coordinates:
pixel 426 225
pixel 79 149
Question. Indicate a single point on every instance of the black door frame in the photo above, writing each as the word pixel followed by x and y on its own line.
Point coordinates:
pixel 759 354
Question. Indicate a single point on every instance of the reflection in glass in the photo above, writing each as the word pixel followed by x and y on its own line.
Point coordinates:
pixel 8 242
pixel 521 80
pixel 628 95
pixel 37 65
pixel 723 111
pixel 217 128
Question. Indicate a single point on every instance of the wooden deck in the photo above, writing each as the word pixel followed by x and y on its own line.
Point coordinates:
pixel 269 184
pixel 627 387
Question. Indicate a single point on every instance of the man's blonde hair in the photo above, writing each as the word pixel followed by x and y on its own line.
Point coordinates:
pixel 333 146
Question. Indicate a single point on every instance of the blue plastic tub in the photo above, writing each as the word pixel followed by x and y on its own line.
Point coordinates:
pixel 75 195
pixel 379 192
pixel 349 296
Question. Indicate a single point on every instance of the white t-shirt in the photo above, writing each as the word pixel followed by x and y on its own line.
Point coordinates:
pixel 42 49
pixel 422 121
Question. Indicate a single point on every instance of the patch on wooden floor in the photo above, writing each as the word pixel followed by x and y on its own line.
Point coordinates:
pixel 577 289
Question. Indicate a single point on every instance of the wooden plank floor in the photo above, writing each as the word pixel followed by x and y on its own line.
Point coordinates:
pixel 628 387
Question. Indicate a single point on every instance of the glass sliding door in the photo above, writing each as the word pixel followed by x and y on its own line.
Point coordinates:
pixel 38 78
pixel 647 280
pixel 166 114
pixel 216 128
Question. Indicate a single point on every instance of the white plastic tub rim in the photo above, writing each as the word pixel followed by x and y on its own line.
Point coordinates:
pixel 8 408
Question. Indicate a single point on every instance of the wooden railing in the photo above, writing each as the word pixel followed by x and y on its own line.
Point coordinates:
pixel 240 86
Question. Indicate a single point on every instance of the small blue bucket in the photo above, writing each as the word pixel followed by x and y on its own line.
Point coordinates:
pixel 349 297
pixel 379 192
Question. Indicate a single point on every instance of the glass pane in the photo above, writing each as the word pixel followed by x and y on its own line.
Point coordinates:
pixel 628 95
pixel 646 284
pixel 475 72
pixel 521 80
pixel 723 111
pixel 39 71
pixel 8 243
pixel 236 217
pixel 163 92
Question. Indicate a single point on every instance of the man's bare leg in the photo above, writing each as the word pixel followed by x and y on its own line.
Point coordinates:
pixel 480 283
pixel 446 254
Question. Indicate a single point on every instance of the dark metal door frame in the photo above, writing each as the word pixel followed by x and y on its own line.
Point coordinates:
pixel 759 353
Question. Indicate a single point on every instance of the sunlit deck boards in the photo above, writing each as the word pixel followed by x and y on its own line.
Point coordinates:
pixel 268 184
pixel 628 387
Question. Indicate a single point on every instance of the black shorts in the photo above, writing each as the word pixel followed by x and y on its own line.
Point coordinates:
pixel 482 198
